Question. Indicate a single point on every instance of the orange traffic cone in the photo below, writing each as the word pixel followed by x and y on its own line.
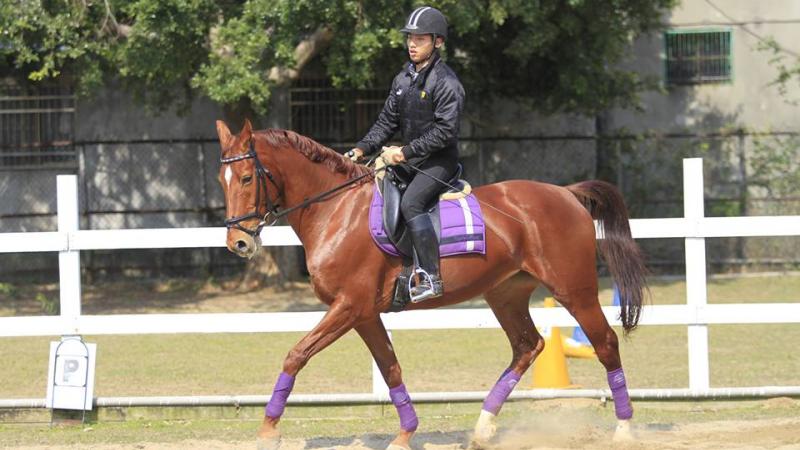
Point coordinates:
pixel 550 367
pixel 575 349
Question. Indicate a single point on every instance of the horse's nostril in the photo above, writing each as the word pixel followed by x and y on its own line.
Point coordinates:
pixel 241 245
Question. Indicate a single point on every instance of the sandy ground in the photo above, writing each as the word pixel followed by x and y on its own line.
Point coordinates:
pixel 551 433
pixel 165 296
pixel 172 297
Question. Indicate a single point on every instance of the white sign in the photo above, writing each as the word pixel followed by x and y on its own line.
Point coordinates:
pixel 70 378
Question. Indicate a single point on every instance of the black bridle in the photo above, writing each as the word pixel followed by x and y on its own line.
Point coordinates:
pixel 262 176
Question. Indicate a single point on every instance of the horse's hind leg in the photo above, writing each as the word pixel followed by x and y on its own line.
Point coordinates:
pixel 374 335
pixel 585 307
pixel 509 302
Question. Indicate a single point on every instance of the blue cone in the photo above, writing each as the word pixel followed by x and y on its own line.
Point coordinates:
pixel 579 335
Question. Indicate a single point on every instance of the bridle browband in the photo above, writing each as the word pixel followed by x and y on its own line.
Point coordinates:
pixel 262 176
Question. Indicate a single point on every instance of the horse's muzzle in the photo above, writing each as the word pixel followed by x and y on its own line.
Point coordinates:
pixel 244 245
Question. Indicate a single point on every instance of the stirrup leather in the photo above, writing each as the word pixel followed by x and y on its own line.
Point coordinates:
pixel 422 286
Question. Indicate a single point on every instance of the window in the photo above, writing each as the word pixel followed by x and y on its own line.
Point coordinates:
pixel 698 56
pixel 337 118
pixel 36 128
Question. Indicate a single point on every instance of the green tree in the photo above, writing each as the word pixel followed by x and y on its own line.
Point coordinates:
pixel 558 55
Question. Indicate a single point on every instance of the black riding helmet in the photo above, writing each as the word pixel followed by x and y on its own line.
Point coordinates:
pixel 426 20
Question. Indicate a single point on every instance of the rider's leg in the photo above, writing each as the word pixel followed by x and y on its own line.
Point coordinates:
pixel 421 193
pixel 426 246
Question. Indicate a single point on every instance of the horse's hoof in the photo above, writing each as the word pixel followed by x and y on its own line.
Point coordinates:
pixel 394 446
pixel 623 433
pixel 477 444
pixel 402 441
pixel 268 443
pixel 485 430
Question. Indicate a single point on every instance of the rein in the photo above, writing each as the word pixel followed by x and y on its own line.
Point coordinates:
pixel 262 175
pixel 323 195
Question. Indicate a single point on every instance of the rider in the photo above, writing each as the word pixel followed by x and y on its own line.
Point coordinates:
pixel 424 104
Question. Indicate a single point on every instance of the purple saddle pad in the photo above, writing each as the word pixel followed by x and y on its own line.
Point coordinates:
pixel 462 227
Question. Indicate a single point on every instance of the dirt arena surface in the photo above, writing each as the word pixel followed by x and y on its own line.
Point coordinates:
pixel 746 434
pixel 566 428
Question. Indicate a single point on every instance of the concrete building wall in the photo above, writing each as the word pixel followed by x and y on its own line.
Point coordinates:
pixel 135 171
pixel 750 100
pixel 512 142
pixel 745 129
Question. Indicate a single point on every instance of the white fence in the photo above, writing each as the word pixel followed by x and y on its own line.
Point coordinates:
pixel 696 314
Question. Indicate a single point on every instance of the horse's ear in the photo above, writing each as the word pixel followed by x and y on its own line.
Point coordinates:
pixel 247 129
pixel 224 134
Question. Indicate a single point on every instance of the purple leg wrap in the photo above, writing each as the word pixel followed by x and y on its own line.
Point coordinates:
pixel 279 395
pixel 505 372
pixel 405 409
pixel 500 392
pixel 622 403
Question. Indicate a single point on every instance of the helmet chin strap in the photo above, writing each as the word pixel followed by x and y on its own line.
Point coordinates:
pixel 421 65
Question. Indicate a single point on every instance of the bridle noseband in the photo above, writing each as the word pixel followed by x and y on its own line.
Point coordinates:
pixel 262 175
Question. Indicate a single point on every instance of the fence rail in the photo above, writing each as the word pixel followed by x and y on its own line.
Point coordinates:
pixel 696 314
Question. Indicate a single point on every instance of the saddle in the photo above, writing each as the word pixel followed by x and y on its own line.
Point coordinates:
pixel 393 187
pixel 456 216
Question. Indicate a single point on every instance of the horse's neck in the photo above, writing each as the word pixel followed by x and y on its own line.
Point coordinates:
pixel 309 179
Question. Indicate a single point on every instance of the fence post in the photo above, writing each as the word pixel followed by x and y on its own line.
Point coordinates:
pixel 69 261
pixel 696 293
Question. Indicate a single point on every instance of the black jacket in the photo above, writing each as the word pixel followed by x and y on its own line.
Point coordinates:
pixel 426 108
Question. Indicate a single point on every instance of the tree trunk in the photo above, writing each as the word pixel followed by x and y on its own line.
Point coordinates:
pixel 305 51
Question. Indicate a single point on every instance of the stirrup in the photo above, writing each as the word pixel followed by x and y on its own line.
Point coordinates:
pixel 422 286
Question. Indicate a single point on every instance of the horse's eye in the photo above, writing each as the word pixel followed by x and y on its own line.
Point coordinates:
pixel 246 179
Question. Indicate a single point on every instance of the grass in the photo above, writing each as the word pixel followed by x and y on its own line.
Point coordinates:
pixel 432 360
pixel 446 360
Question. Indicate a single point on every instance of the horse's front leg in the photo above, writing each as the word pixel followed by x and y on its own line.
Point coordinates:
pixel 337 321
pixel 374 335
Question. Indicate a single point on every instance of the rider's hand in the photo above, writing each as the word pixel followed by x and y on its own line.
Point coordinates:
pixel 355 154
pixel 393 155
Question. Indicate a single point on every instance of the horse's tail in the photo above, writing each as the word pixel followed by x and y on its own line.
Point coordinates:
pixel 620 251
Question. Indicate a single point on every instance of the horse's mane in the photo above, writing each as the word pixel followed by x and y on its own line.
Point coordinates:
pixel 315 152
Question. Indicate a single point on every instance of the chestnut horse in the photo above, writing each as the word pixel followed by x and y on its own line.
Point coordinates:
pixel 536 234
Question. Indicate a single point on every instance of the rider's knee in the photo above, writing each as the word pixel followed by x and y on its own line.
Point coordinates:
pixel 409 207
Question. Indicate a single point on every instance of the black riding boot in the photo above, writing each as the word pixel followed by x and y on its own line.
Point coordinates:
pixel 427 249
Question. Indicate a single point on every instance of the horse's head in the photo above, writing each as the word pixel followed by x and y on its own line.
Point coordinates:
pixel 249 187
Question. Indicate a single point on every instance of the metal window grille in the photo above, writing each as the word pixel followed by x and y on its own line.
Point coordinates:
pixel 696 57
pixel 337 118
pixel 37 126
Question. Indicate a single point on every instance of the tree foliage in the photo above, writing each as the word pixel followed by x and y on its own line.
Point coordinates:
pixel 788 65
pixel 559 55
